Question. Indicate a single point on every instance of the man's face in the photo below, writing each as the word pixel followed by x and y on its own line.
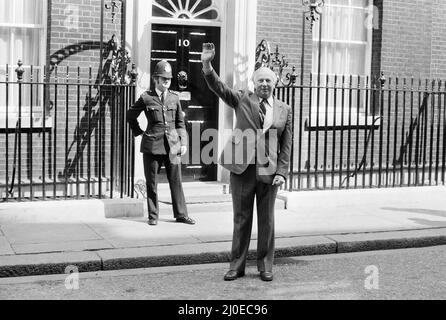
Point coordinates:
pixel 162 84
pixel 264 84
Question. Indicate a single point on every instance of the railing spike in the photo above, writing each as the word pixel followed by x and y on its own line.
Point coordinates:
pixel 20 71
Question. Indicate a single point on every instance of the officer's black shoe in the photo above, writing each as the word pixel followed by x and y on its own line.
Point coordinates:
pixel 232 275
pixel 185 220
pixel 266 276
pixel 153 222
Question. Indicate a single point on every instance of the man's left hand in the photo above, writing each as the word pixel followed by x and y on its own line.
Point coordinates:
pixel 278 180
pixel 183 150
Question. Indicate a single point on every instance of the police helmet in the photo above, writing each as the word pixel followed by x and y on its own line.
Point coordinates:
pixel 163 69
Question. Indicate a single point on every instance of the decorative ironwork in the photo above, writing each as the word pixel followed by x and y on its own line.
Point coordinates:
pixel 263 55
pixel 114 7
pixel 119 61
pixel 117 57
pixel 292 77
pixel 315 7
pixel 112 45
pixel 133 74
pixel 382 80
pixel 280 64
pixel 264 58
pixel 192 9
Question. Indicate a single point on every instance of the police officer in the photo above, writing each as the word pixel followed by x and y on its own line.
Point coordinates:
pixel 163 142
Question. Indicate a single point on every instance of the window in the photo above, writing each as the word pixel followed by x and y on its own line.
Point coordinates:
pixel 346 38
pixel 22 36
pixel 186 9
pixel 346 48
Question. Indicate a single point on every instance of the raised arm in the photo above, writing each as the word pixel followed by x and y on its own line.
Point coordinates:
pixel 228 95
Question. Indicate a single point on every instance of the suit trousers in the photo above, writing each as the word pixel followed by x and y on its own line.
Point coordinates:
pixel 152 165
pixel 246 187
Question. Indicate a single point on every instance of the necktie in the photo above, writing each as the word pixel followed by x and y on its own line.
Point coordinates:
pixel 262 111
pixel 162 98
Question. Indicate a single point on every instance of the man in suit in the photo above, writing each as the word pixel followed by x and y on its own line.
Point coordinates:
pixel 163 142
pixel 257 155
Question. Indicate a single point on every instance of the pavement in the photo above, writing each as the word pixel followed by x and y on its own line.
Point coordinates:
pixel 52 237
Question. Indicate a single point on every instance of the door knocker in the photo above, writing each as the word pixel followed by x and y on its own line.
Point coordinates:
pixel 182 80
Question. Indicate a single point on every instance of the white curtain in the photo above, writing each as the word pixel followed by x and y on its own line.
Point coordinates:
pixel 4 10
pixel 344 37
pixel 21 37
pixel 21 28
pixel 345 50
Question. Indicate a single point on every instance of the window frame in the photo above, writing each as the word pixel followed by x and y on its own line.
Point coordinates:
pixel 321 115
pixel 218 5
pixel 38 69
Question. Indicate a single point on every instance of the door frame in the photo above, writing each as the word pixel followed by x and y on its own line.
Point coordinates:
pixel 210 169
pixel 222 66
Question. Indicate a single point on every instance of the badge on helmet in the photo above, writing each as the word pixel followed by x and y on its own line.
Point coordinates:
pixel 163 69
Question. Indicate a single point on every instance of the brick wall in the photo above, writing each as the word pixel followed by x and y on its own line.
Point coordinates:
pixel 438 62
pixel 280 22
pixel 73 47
pixel 76 22
pixel 411 39
pixel 407 38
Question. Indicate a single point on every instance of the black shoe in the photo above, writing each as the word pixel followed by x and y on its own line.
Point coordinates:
pixel 186 220
pixel 153 222
pixel 232 275
pixel 266 276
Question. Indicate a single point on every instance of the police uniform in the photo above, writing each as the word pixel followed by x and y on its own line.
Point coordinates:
pixel 161 144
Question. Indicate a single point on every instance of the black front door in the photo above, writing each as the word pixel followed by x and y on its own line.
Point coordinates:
pixel 182 46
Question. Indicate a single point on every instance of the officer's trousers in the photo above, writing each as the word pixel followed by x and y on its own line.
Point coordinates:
pixel 152 165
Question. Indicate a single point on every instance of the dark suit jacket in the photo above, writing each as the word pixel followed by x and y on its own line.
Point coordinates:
pixel 165 124
pixel 248 144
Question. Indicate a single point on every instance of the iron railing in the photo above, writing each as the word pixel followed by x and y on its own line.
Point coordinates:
pixel 61 138
pixel 358 132
pixel 64 138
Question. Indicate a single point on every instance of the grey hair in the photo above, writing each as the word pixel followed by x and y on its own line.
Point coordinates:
pixel 268 70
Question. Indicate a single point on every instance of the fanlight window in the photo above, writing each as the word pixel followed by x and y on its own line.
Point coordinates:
pixel 186 9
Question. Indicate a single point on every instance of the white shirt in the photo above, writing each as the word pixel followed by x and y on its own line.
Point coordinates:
pixel 269 115
pixel 159 93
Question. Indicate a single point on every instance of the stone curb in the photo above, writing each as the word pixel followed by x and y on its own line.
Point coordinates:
pixel 216 252
pixel 162 256
pixel 48 263
pixel 389 240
